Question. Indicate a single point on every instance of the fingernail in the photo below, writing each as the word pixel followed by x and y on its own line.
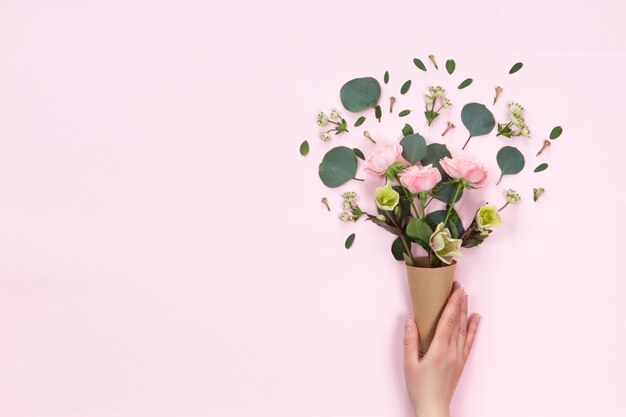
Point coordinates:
pixel 464 297
pixel 408 324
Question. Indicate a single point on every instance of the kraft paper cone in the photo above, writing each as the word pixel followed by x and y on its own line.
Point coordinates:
pixel 430 290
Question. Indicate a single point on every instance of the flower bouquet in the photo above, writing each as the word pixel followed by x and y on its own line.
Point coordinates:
pixel 415 173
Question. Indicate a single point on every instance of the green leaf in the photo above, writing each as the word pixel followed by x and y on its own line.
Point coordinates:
pixel 304 148
pixel 358 153
pixel 434 153
pixel 541 167
pixel 407 129
pixel 419 64
pixel 420 231
pixel 454 224
pixel 349 241
pixel 404 113
pixel 405 87
pixel 386 77
pixel 450 66
pixel 510 160
pixel 360 94
pixel 477 119
pixel 397 249
pixel 445 192
pixel 465 83
pixel 338 166
pixel 556 132
pixel 516 68
pixel 378 112
pixel 413 147
pixel 359 121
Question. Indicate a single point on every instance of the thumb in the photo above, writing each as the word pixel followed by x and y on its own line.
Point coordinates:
pixel 411 337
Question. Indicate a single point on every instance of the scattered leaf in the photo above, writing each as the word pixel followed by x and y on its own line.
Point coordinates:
pixel 541 167
pixel 405 87
pixel 465 83
pixel 516 68
pixel 360 94
pixel 510 160
pixel 386 77
pixel 413 148
pixel 477 119
pixel 407 130
pixel 450 66
pixel 556 132
pixel 358 153
pixel 378 113
pixel 419 64
pixel 359 121
pixel 338 166
pixel 349 241
pixel 404 113
pixel 304 148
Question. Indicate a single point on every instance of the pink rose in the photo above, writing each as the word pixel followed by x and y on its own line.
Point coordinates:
pixel 382 158
pixel 417 178
pixel 464 168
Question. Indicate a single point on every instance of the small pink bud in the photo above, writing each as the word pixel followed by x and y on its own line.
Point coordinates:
pixel 450 126
pixel 546 144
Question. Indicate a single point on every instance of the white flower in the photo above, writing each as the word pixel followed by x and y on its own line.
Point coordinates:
pixel 518 120
pixel 512 196
pixel 444 246
pixel 526 131
pixel 334 113
pixel 436 91
pixel 345 217
pixel 349 196
pixel 347 206
pixel 447 103
pixel 429 99
pixel 322 119
pixel 325 137
pixel 516 109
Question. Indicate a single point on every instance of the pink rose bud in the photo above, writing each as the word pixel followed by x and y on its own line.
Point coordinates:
pixel 382 158
pixel 465 168
pixel 418 179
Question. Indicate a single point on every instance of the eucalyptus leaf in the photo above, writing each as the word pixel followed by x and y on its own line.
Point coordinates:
pixel 556 132
pixel 405 87
pixel 477 119
pixel 419 64
pixel 413 147
pixel 338 166
pixel 404 113
pixel 386 77
pixel 360 94
pixel 358 153
pixel 419 231
pixel 397 249
pixel 445 191
pixel 304 148
pixel 359 121
pixel 407 129
pixel 541 167
pixel 516 68
pixel 510 160
pixel 378 112
pixel 465 83
pixel 349 241
pixel 450 66
pixel 454 223
pixel 434 153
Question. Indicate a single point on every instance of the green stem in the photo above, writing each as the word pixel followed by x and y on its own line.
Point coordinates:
pixel 407 247
pixel 458 190
pixel 408 196
pixel 502 208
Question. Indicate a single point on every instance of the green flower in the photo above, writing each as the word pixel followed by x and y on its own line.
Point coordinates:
pixel 444 246
pixel 386 197
pixel 518 120
pixel 487 217
pixel 322 119
pixel 516 109
pixel 429 99
pixel 512 196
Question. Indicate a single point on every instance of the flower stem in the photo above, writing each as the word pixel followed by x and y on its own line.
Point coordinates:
pixel 500 179
pixel 458 190
pixel 407 247
pixel 468 139
pixel 408 197
pixel 502 208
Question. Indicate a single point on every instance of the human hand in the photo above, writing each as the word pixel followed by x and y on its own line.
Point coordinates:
pixel 431 380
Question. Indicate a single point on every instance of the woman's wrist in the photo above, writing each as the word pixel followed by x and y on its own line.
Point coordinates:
pixel 433 412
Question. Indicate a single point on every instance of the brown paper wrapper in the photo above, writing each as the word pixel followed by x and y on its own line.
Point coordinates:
pixel 430 290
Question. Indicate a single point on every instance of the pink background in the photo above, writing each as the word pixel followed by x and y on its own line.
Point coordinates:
pixel 163 251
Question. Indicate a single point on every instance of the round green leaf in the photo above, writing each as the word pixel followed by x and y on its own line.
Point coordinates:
pixel 556 132
pixel 445 192
pixel 434 153
pixel 397 249
pixel 510 160
pixel 338 166
pixel 360 94
pixel 450 66
pixel 404 113
pixel 349 241
pixel 465 83
pixel 386 77
pixel 419 64
pixel 413 147
pixel 541 167
pixel 516 68
pixel 454 224
pixel 407 129
pixel 304 148
pixel 405 87
pixel 359 121
pixel 477 119
pixel 358 153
